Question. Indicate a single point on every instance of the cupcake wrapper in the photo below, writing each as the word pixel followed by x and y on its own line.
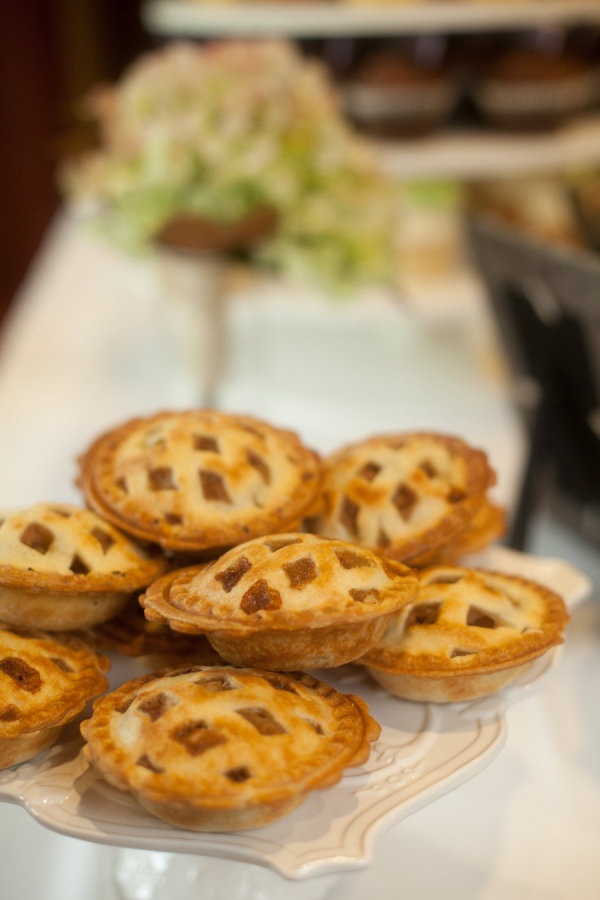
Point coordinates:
pixel 367 102
pixel 573 95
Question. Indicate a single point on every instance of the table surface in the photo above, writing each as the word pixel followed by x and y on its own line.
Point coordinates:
pixel 90 341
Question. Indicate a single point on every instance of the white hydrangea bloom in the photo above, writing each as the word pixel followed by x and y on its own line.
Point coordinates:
pixel 217 128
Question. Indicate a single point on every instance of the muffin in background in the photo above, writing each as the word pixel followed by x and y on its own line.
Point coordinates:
pixel 530 88
pixel 392 93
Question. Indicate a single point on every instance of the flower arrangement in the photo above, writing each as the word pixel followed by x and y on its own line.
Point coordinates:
pixel 219 129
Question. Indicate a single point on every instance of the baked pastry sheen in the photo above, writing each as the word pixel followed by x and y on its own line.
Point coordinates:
pixel 287 601
pixel 468 633
pixel 403 495
pixel 44 685
pixel 62 567
pixel 223 749
pixel 200 480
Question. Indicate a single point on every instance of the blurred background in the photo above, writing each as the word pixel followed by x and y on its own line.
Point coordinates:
pixel 54 51
pixel 51 53
pixel 468 107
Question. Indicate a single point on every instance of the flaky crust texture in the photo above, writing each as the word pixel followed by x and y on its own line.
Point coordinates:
pixel 62 548
pixel 45 683
pixel 220 748
pixel 468 622
pixel 200 480
pixel 403 495
pixel 284 582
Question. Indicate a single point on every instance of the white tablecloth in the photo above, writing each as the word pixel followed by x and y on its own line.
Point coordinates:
pixel 89 343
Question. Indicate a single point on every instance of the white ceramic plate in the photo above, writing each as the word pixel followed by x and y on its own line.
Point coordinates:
pixel 424 751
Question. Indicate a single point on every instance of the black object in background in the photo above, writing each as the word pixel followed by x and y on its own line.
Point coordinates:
pixel 546 302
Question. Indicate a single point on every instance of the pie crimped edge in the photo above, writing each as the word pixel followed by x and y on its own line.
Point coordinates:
pixel 469 633
pixel 200 480
pixel 223 748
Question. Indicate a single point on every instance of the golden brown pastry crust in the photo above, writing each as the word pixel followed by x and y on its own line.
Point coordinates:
pixel 486 525
pixel 224 749
pixel 287 601
pixel 468 633
pixel 64 567
pixel 44 685
pixel 199 481
pixel 403 495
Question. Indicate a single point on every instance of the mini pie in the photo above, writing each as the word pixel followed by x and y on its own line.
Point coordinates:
pixel 469 633
pixel 403 495
pixel 44 685
pixel 288 601
pixel 132 634
pixel 225 749
pixel 65 568
pixel 200 481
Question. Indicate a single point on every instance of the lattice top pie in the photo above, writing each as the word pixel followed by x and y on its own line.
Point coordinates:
pixel 60 547
pixel 63 567
pixel 466 623
pixel 287 580
pixel 403 495
pixel 200 480
pixel 220 749
pixel 44 684
pixel 297 597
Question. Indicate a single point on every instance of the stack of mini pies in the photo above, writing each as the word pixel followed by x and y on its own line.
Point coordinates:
pixel 225 551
